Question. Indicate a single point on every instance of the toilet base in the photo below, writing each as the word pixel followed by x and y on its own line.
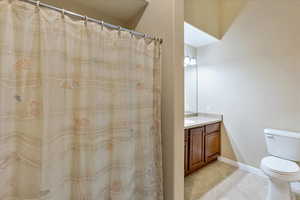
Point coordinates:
pixel 279 190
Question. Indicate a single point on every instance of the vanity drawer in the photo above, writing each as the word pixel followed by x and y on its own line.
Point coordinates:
pixel 212 128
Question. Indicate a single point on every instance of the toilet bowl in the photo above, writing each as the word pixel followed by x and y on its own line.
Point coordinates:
pixel 281 166
pixel 281 173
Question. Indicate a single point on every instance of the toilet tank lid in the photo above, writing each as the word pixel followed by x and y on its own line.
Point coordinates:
pixel 282 133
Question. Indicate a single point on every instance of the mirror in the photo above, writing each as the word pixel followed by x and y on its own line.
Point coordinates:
pixel 190 81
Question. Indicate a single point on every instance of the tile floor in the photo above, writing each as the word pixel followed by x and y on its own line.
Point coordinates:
pixel 220 181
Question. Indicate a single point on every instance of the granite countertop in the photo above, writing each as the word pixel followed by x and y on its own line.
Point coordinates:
pixel 202 119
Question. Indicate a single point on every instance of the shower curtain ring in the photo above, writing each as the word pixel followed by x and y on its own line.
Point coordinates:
pixel 102 24
pixel 85 20
pixel 131 33
pixel 38 4
pixel 119 30
pixel 63 13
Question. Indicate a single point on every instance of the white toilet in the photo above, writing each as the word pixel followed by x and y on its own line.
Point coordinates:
pixel 281 166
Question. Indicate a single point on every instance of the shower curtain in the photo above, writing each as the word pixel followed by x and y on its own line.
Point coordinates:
pixel 79 109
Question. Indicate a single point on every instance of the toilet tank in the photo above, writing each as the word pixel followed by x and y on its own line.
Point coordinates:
pixel 283 144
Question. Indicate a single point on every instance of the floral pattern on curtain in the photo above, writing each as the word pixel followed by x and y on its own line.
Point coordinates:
pixel 79 109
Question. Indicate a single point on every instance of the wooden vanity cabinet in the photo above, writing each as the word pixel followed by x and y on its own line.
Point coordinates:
pixel 201 146
pixel 196 148
pixel 212 142
pixel 186 152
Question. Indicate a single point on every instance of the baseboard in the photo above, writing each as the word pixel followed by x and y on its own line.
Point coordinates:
pixel 242 166
pixel 295 186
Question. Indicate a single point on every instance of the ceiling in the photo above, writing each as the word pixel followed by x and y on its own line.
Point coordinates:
pixel 119 12
pixel 195 37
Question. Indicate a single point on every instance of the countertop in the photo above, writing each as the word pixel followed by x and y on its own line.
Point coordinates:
pixel 202 119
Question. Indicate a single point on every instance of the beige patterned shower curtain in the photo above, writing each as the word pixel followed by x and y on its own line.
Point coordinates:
pixel 79 109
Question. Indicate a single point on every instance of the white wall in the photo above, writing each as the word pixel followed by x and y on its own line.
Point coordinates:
pixel 83 8
pixel 212 16
pixel 230 10
pixel 253 77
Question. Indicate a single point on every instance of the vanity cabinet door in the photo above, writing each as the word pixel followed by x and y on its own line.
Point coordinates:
pixel 212 142
pixel 196 156
pixel 186 152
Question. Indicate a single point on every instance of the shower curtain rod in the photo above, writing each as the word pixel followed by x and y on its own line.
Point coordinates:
pixel 111 26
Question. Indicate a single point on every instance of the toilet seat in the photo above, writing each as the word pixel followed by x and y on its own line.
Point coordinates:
pixel 280 166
